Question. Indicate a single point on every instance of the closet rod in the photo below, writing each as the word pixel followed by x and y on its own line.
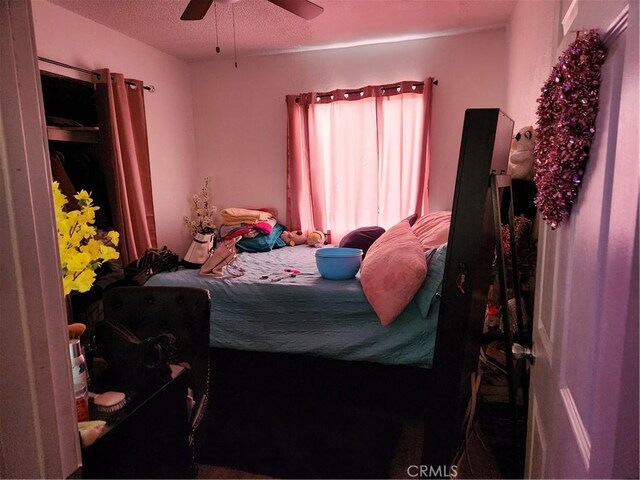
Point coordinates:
pixel 150 88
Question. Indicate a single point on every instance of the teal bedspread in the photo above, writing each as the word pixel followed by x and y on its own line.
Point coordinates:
pixel 310 315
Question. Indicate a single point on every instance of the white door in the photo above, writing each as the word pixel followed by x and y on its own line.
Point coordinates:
pixel 583 404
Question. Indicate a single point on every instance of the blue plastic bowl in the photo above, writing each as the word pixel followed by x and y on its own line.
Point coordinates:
pixel 338 263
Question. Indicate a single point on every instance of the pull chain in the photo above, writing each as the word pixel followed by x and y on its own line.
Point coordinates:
pixel 215 13
pixel 235 51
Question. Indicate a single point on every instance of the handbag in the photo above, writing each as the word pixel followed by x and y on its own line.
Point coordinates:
pixel 222 261
pixel 152 261
pixel 139 365
pixel 199 250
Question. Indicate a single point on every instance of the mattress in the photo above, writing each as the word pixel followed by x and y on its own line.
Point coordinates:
pixel 269 310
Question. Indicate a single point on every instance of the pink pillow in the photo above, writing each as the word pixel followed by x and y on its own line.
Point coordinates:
pixel 432 229
pixel 393 271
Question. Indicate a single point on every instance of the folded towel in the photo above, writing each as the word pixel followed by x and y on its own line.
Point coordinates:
pixel 236 216
pixel 245 212
pixel 238 220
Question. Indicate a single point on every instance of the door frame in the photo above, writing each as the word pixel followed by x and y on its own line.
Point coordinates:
pixel 38 430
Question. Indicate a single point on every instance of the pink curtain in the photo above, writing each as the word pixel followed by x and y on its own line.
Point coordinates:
pixel 123 133
pixel 358 157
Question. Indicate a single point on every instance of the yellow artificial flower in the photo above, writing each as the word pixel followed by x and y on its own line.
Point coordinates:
pixel 80 253
pixel 83 196
pixel 78 262
pixel 85 280
pixel 59 199
pixel 114 237
pixel 65 255
pixel 87 231
pixel 108 253
pixel 68 283
pixel 87 215
pixel 92 248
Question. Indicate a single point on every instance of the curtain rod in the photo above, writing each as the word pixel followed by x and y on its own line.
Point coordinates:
pixel 150 88
pixel 417 84
pixel 383 87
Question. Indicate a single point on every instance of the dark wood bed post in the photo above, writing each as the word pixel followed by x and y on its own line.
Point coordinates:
pixel 486 139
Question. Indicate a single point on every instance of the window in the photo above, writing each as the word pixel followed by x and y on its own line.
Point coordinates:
pixel 358 158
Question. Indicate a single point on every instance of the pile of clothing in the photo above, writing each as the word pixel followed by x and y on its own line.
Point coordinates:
pixel 259 229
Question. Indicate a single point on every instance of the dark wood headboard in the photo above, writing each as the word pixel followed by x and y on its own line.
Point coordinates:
pixel 486 138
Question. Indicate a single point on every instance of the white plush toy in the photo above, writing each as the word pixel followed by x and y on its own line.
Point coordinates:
pixel 521 158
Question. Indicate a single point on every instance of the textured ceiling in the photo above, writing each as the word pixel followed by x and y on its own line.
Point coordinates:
pixel 262 28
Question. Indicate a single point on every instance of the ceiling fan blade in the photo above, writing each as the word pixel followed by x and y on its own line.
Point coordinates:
pixel 302 8
pixel 196 10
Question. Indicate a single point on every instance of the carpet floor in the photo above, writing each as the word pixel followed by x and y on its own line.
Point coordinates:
pixel 256 428
pixel 406 453
pixel 477 460
pixel 312 442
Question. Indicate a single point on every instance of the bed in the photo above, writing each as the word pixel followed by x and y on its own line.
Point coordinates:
pixel 270 310
pixel 420 365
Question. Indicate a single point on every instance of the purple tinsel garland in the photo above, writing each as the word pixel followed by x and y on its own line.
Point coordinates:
pixel 566 125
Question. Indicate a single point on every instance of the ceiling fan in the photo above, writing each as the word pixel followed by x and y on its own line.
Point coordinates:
pixel 197 9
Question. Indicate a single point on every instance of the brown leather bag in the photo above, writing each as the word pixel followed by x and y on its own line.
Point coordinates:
pixel 152 261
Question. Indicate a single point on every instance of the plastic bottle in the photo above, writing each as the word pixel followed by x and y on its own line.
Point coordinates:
pixel 80 380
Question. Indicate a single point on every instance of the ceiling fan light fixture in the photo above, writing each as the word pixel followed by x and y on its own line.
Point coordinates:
pixel 197 9
pixel 302 8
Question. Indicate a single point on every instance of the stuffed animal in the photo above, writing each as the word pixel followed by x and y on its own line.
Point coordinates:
pixel 521 157
pixel 294 237
pixel 316 239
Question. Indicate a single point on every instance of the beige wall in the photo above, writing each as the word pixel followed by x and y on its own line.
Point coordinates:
pixel 531 48
pixel 240 114
pixel 235 129
pixel 70 38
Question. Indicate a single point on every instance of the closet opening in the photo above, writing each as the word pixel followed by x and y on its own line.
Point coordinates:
pixel 77 157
